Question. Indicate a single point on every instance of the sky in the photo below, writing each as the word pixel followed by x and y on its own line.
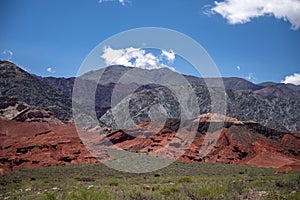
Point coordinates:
pixel 258 40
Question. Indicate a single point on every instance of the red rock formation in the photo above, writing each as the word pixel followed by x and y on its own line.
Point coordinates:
pixel 37 144
pixel 242 143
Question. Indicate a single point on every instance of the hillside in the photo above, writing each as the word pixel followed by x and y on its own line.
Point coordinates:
pixel 28 88
pixel 273 105
pixel 245 100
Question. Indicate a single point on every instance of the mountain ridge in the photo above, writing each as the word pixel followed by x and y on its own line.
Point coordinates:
pixel 244 102
pixel 234 83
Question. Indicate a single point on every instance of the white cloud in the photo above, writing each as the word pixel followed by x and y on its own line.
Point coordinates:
pixel 250 77
pixel 293 79
pixel 123 2
pixel 242 11
pixel 49 69
pixel 8 54
pixel 238 67
pixel 169 55
pixel 133 57
pixel 207 10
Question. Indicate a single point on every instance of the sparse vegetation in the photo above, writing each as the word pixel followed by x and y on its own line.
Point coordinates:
pixel 178 181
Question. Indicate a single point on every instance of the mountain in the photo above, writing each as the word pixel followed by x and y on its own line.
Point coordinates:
pixel 243 102
pixel 286 85
pixel 257 130
pixel 279 114
pixel 28 88
pixel 112 74
pixel 64 85
pixel 240 84
pixel 274 105
pixel 267 84
pixel 279 90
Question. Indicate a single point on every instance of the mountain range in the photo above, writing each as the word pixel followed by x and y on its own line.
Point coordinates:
pixel 261 119
pixel 275 105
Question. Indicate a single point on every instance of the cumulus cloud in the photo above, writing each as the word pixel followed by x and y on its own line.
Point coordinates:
pixel 134 57
pixel 50 69
pixel 242 11
pixel 293 79
pixel 8 54
pixel 169 55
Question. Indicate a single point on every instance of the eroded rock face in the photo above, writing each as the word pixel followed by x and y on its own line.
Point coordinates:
pixel 238 142
pixel 276 113
pixel 12 109
pixel 239 145
pixel 33 137
pixel 38 144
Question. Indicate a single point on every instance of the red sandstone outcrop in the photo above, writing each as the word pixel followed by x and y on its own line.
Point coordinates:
pixel 38 144
pixel 238 142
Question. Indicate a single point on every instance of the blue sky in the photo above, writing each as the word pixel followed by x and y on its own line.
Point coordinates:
pixel 59 34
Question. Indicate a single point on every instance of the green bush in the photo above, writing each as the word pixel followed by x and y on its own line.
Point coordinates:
pixel 185 180
pixel 168 190
pixel 293 196
pixel 113 184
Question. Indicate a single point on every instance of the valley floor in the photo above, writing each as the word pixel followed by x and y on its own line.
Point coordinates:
pixel 177 181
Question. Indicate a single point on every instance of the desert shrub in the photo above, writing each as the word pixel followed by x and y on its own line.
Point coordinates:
pixel 280 183
pixel 113 184
pixel 155 187
pixel 138 196
pixel 210 191
pixel 168 190
pixel 185 180
pixel 49 196
pixel 293 196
